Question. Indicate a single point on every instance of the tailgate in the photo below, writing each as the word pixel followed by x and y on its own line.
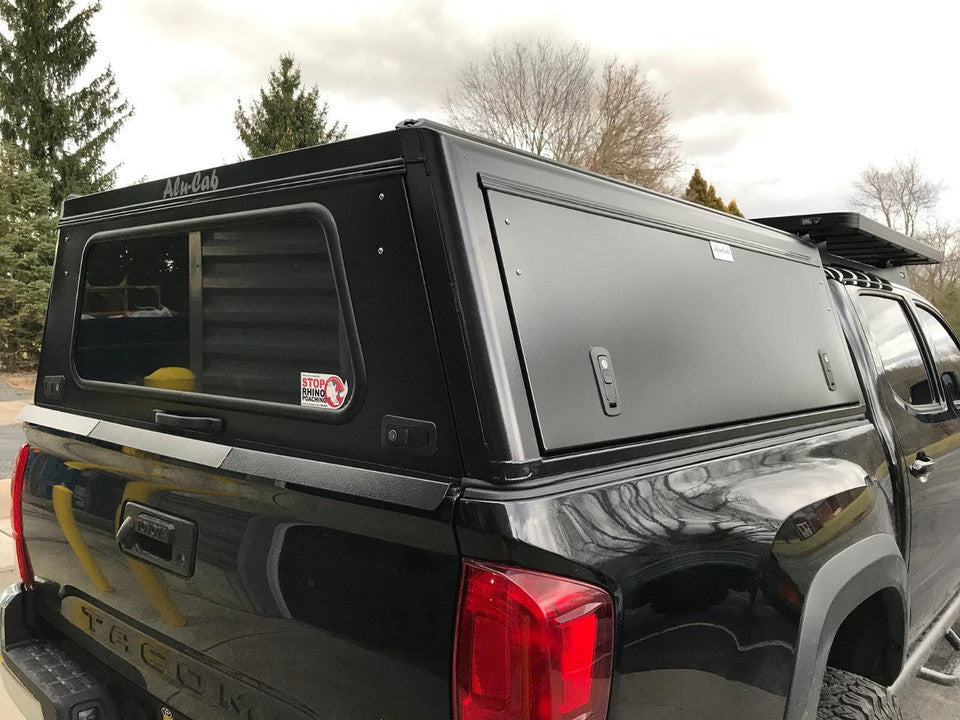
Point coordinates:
pixel 238 596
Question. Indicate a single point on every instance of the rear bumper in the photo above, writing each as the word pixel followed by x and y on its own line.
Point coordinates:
pixel 22 697
pixel 45 681
pixel 26 703
pixel 50 678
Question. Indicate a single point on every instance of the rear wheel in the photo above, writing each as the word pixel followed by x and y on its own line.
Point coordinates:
pixel 845 696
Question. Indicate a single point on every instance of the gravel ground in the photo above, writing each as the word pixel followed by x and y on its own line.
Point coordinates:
pixel 11 438
pixel 8 576
pixel 16 390
pixel 926 701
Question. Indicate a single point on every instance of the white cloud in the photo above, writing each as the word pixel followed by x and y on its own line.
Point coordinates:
pixel 780 105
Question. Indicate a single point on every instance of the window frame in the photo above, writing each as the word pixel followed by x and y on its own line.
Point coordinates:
pixel 905 306
pixel 327 228
pixel 916 306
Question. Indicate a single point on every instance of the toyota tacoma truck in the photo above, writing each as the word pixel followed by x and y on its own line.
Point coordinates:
pixel 416 426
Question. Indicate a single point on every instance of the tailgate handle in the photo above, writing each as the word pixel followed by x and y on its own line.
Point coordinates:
pixel 137 532
pixel 127 534
pixel 144 526
pixel 158 537
pixel 187 422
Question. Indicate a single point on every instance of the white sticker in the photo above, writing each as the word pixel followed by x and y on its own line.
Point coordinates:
pixel 721 251
pixel 322 390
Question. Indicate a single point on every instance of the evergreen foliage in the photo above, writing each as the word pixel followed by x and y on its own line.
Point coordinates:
pixel 27 244
pixel 702 193
pixel 286 116
pixel 63 127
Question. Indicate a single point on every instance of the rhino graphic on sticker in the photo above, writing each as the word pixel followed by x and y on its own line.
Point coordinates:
pixel 334 391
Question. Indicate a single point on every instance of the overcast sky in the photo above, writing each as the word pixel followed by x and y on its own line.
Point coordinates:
pixel 780 108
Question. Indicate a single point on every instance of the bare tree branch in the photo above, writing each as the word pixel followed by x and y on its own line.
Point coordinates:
pixel 549 98
pixel 900 196
pixel 936 282
pixel 536 96
pixel 632 140
pixel 872 194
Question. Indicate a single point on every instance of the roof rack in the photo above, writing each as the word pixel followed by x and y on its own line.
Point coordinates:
pixel 857 278
pixel 855 237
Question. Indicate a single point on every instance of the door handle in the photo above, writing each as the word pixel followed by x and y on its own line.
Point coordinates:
pixel 920 468
pixel 188 422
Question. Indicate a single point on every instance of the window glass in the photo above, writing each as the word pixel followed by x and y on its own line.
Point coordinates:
pixel 899 352
pixel 946 354
pixel 247 311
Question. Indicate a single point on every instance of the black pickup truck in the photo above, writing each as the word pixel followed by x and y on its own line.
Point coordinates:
pixel 414 426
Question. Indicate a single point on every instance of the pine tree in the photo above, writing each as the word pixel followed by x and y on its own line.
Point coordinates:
pixel 27 244
pixel 698 191
pixel 64 127
pixel 286 116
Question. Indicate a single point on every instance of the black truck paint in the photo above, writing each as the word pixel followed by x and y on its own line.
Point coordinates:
pixel 745 545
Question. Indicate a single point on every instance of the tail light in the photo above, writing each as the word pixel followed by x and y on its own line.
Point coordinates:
pixel 16 515
pixel 531 646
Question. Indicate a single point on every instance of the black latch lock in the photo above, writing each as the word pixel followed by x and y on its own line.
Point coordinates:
pixel 827 370
pixel 54 387
pixel 408 435
pixel 606 382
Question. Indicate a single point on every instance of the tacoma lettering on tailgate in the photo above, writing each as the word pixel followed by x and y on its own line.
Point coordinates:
pixel 205 687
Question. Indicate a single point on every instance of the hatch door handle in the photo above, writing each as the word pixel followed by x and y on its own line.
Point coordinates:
pixel 187 422
pixel 606 382
pixel 920 468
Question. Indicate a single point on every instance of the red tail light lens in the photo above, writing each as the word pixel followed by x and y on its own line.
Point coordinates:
pixel 16 515
pixel 531 646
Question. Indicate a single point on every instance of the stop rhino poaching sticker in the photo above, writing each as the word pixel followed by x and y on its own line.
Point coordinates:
pixel 321 390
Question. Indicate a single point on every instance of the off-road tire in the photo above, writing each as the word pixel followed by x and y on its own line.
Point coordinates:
pixel 845 696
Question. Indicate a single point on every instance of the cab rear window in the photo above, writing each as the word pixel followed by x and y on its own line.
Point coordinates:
pixel 246 310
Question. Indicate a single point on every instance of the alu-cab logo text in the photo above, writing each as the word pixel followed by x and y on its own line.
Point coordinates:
pixel 200 182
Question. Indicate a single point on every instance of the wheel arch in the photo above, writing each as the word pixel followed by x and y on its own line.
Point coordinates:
pixel 847 592
pixel 870 641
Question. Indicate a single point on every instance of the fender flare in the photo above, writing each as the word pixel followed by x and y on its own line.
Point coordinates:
pixel 848 578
